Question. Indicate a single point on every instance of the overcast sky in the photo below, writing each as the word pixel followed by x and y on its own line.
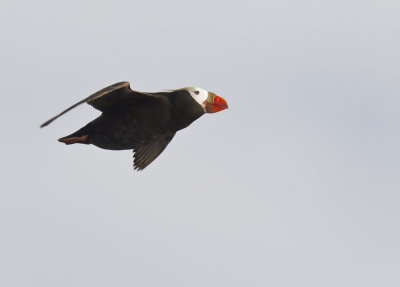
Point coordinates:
pixel 297 184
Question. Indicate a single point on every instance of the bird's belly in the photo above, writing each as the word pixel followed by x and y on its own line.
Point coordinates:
pixel 120 133
pixel 113 142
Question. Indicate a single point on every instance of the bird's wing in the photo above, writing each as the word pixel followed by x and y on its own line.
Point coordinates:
pixel 105 98
pixel 144 155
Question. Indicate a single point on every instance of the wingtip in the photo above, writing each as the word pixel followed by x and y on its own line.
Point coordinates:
pixel 137 169
pixel 44 124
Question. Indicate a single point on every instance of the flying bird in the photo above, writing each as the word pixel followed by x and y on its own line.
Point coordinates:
pixel 143 122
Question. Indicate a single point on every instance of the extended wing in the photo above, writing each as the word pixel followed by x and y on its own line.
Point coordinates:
pixel 105 98
pixel 144 155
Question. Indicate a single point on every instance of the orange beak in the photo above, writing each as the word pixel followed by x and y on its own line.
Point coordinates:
pixel 218 104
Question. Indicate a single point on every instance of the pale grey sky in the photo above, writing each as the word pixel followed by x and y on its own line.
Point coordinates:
pixel 297 184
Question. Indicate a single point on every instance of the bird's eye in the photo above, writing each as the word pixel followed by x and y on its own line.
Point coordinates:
pixel 196 92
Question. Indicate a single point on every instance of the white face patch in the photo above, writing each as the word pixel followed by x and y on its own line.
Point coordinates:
pixel 200 95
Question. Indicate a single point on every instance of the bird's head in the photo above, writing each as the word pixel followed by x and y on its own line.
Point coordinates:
pixel 210 102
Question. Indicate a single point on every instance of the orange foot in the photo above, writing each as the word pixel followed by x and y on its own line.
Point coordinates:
pixel 82 140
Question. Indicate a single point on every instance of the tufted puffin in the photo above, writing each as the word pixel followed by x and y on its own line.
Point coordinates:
pixel 143 122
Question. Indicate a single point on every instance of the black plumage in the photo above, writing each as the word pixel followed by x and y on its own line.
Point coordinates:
pixel 144 122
